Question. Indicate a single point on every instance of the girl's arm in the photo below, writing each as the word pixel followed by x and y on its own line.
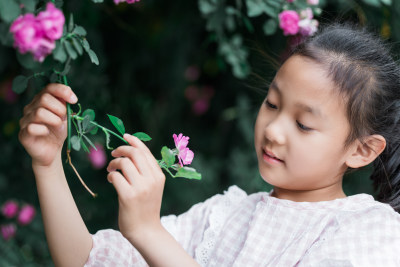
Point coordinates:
pixel 43 130
pixel 140 184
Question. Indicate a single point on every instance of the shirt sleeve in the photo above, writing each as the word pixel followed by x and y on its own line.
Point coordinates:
pixel 110 248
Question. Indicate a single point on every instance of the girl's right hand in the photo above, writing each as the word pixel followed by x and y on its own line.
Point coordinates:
pixel 43 128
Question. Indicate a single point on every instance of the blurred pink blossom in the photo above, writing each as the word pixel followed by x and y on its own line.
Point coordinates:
pixel 192 73
pixel 26 214
pixel 290 1
pixel 200 98
pixel 288 22
pixel 9 209
pixel 128 1
pixel 7 93
pixel 8 231
pixel 306 13
pixel 308 27
pixel 313 2
pixel 52 21
pixel 97 157
pixel 185 155
pixel 38 34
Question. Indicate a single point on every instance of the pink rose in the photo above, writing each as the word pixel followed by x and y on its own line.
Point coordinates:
pixel 52 21
pixel 308 27
pixel 313 2
pixel 185 155
pixel 38 34
pixel 9 209
pixel 288 22
pixel 8 231
pixel 27 33
pixel 97 157
pixel 26 214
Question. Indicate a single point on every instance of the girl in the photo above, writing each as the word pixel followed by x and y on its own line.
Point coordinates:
pixel 333 105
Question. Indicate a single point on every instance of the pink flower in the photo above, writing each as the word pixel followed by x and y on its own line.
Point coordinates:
pixel 8 231
pixel 306 13
pixel 38 34
pixel 185 155
pixel 97 157
pixel 26 214
pixel 308 26
pixel 9 209
pixel 192 73
pixel 52 21
pixel 128 1
pixel 313 2
pixel 288 22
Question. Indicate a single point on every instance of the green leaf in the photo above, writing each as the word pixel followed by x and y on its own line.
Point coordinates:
pixel 79 30
pixel 19 84
pixel 189 173
pixel 29 5
pixel 93 129
pixel 93 57
pixel 85 148
pixel 75 142
pixel 168 156
pixel 254 8
pixel 27 61
pixel 67 68
pixel 71 23
pixel 85 45
pixel 387 2
pixel 59 52
pixel 90 142
pixel 6 37
pixel 142 136
pixel 89 112
pixel 118 124
pixel 9 10
pixel 85 123
pixel 70 50
pixel 107 139
pixel 270 26
pixel 206 7
pixel 77 45
pixel 375 3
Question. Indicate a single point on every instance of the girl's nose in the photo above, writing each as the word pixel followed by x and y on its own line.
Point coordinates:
pixel 274 131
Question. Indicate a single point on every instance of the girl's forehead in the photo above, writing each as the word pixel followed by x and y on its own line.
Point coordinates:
pixel 306 84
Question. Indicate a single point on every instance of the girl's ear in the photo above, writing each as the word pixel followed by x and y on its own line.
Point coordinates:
pixel 363 153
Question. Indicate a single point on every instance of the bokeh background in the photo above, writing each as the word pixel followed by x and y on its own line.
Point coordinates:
pixel 162 72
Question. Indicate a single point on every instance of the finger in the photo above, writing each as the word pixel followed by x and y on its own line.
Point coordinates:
pixel 50 102
pixel 137 157
pixel 34 129
pixel 134 141
pixel 62 91
pixel 120 184
pixel 41 116
pixel 126 166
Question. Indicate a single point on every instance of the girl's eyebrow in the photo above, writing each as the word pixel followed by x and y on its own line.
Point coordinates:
pixel 304 107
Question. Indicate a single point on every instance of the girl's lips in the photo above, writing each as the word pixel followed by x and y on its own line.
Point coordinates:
pixel 270 158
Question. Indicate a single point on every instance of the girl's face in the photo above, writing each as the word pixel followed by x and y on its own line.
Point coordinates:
pixel 300 133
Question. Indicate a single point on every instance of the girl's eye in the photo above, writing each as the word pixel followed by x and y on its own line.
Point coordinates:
pixel 272 106
pixel 303 127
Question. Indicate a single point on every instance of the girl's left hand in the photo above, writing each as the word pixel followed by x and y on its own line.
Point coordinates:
pixel 139 185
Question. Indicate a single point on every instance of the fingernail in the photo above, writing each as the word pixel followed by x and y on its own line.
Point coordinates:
pixel 73 98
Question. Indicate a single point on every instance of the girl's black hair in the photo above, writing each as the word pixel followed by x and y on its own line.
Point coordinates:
pixel 361 66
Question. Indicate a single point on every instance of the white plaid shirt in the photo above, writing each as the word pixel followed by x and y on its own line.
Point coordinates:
pixel 236 229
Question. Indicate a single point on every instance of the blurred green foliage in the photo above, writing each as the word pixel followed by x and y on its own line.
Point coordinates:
pixel 145 51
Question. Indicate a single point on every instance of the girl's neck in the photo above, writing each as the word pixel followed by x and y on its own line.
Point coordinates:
pixel 322 194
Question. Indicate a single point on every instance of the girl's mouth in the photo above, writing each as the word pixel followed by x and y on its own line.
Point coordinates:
pixel 270 158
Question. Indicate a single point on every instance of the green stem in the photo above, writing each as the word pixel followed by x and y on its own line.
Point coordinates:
pixel 170 173
pixel 68 118
pixel 103 128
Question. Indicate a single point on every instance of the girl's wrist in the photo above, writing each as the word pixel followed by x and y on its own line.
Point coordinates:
pixel 145 235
